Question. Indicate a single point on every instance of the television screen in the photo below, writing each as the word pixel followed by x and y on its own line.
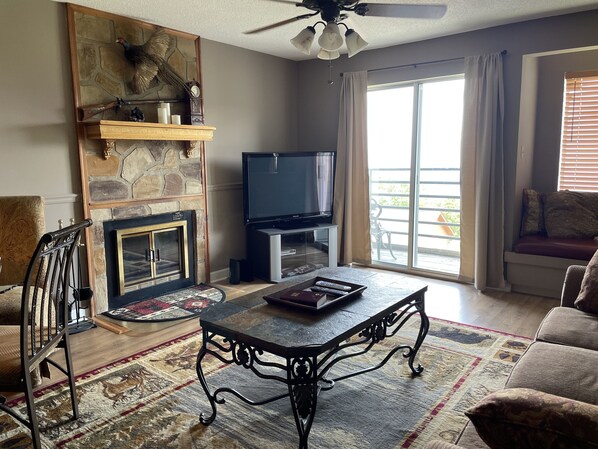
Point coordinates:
pixel 288 186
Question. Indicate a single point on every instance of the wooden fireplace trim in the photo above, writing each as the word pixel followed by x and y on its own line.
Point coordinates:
pixel 111 130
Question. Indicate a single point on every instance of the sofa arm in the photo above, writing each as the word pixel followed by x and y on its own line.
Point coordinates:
pixel 437 444
pixel 572 285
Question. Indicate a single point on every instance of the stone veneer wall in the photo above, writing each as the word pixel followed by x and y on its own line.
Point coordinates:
pixel 142 178
pixel 104 73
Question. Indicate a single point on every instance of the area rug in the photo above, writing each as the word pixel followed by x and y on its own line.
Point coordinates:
pixel 178 305
pixel 153 399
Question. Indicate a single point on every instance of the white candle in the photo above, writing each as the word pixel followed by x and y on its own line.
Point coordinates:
pixel 162 115
pixel 167 107
pixel 175 119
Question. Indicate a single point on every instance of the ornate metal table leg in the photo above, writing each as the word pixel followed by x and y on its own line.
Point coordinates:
pixel 302 379
pixel 202 380
pixel 423 331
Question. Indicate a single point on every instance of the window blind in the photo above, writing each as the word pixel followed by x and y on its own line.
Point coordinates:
pixel 579 142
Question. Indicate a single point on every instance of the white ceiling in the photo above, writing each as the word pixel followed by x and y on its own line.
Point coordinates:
pixel 226 20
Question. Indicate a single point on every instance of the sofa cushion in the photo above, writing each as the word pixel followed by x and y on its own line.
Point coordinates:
pixel 587 299
pixel 569 326
pixel 556 369
pixel 532 219
pixel 540 245
pixel 571 214
pixel 525 418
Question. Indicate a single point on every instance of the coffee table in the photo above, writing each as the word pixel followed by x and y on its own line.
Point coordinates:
pixel 308 344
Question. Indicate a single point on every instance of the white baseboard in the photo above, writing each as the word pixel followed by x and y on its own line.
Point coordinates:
pixel 220 275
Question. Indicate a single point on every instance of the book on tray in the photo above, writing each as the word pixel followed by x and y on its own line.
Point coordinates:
pixel 306 297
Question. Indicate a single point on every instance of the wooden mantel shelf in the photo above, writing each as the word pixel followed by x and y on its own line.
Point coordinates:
pixel 111 130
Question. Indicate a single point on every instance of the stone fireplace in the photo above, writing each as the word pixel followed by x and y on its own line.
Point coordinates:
pixel 148 172
pixel 150 255
pixel 144 184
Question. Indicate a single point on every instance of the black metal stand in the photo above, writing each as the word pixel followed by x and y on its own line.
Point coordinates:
pixel 306 376
pixel 81 297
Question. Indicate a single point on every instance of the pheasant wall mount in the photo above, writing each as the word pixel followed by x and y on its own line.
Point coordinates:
pixel 149 62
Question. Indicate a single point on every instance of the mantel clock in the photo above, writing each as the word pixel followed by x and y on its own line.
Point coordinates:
pixel 195 103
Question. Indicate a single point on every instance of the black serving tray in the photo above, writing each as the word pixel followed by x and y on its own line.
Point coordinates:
pixel 275 298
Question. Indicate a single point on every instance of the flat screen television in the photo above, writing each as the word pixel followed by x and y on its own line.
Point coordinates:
pixel 289 189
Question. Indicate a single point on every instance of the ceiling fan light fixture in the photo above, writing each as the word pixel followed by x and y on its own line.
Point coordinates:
pixel 331 38
pixel 304 40
pixel 328 55
pixel 355 43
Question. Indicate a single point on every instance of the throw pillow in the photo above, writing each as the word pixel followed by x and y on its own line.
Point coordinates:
pixel 532 213
pixel 523 418
pixel 587 299
pixel 569 215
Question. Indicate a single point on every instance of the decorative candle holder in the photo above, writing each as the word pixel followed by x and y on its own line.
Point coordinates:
pixel 163 115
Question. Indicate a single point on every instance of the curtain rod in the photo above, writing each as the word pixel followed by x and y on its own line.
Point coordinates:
pixel 415 64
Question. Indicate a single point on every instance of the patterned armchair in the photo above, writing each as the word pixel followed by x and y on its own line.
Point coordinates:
pixel 22 223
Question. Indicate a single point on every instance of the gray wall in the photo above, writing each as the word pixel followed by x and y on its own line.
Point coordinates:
pixel 38 153
pixel 318 109
pixel 549 112
pixel 251 99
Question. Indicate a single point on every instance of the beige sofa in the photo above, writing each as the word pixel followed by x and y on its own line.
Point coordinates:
pixel 550 399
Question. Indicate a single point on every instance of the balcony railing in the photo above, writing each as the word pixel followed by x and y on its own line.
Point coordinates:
pixel 436 217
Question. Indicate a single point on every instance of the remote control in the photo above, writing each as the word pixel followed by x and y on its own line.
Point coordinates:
pixel 327 290
pixel 344 288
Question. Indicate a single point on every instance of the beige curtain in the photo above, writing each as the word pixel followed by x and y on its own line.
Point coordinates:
pixel 482 180
pixel 351 186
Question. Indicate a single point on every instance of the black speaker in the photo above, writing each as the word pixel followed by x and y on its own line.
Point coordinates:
pixel 246 273
pixel 234 267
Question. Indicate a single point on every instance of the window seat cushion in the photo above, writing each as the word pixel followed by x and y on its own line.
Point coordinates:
pixel 581 249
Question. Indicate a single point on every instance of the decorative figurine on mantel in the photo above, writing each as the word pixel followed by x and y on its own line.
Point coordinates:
pixel 148 60
pixel 137 115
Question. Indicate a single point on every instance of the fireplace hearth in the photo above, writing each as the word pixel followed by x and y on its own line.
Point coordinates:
pixel 148 256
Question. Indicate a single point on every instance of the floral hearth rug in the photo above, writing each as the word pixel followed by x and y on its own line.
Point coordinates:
pixel 153 399
pixel 181 304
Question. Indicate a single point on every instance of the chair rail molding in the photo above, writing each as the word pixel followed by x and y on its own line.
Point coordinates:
pixel 66 198
pixel 225 186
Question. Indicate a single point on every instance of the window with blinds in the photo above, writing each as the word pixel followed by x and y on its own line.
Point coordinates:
pixel 579 142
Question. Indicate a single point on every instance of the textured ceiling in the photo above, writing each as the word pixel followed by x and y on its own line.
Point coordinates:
pixel 226 20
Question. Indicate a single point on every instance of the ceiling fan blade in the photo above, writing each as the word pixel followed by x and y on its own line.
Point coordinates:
pixel 405 10
pixel 279 24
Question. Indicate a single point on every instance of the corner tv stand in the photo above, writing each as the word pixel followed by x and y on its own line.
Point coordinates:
pixel 276 253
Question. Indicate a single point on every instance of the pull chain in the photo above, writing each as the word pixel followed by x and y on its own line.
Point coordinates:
pixel 330 82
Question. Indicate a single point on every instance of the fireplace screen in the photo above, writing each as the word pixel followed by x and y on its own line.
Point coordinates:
pixel 148 255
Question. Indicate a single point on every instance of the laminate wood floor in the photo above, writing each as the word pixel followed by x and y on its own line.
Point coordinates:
pixel 514 313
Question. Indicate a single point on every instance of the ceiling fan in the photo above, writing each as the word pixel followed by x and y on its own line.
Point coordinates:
pixel 333 12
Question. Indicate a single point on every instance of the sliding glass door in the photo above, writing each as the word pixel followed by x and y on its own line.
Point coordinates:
pixel 414 142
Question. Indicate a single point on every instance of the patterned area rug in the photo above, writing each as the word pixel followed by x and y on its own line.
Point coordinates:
pixel 153 399
pixel 182 304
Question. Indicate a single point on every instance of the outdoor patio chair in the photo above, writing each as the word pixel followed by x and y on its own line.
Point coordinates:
pixel 377 231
